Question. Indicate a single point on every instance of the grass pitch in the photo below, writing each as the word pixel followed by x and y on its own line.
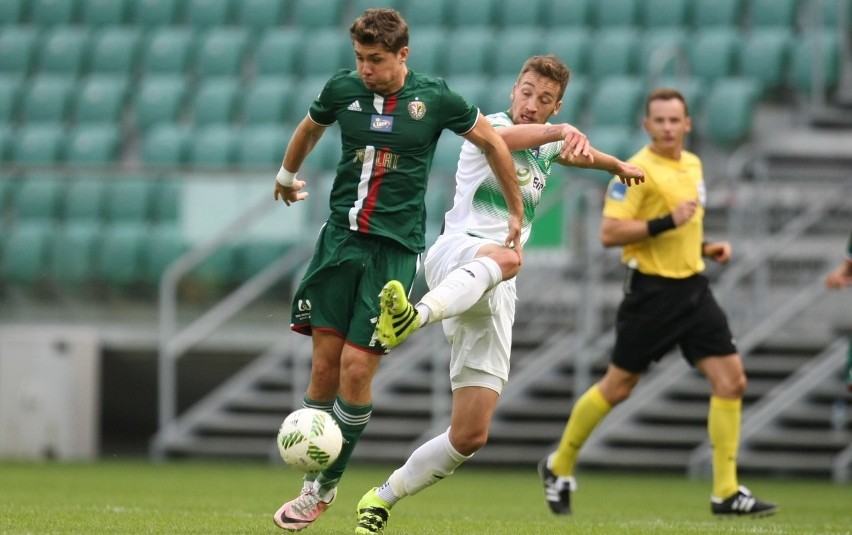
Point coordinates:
pixel 128 497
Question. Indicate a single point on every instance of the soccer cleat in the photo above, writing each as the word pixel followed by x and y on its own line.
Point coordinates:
pixel 372 514
pixel 397 317
pixel 299 513
pixel 741 504
pixel 557 489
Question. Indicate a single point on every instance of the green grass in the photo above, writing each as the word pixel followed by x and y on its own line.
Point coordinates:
pixel 233 498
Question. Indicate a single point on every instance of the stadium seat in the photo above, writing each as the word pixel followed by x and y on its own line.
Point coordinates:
pixel 478 49
pixel 92 145
pixel 447 154
pixel 254 256
pixel 304 94
pixel 118 257
pixel 10 95
pixel 772 13
pixel 24 254
pixel 317 13
pixel 166 244
pixel 621 142
pixel 421 14
pixel 213 146
pixel 12 12
pixel 616 101
pixel 71 256
pixel 260 15
pixel 17 50
pixel 214 101
pixel 514 14
pixel 359 6
pixel 128 200
pixel 474 88
pixel 262 145
pixel 6 189
pixel 52 12
pixel 665 14
pixel 815 58
pixel 97 13
pixel 47 99
pixel 165 202
pixel 516 46
pixel 83 201
pixel 114 50
pixel 827 13
pixel 266 100
pixel 693 90
pixel 615 13
pixel 5 149
pixel 729 111
pixel 169 50
pixel 154 13
pixel 278 52
pixel 218 269
pixel 159 99
pixel 222 52
pixel 472 14
pixel 38 144
pixel 427 50
pixel 326 154
pixel 569 15
pixel 165 145
pixel 100 99
pixel 662 52
pixel 765 56
pixel 617 56
pixel 329 51
pixel 38 198
pixel 716 13
pixel 713 52
pixel 572 47
pixel 203 14
pixel 62 51
pixel 573 102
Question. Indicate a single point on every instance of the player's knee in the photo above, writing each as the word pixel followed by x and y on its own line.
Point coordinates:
pixel 469 441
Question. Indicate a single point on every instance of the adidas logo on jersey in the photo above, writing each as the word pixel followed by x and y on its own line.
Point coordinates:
pixel 355 106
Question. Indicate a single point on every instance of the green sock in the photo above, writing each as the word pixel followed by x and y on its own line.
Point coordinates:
pixel 352 420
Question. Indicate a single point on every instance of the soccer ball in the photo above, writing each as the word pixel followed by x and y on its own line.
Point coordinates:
pixel 309 440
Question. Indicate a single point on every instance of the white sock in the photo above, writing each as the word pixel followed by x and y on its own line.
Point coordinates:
pixel 430 463
pixel 461 289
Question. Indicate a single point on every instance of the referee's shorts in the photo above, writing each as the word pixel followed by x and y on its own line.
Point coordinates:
pixel 659 313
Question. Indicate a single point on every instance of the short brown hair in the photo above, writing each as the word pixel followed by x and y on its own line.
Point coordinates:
pixel 665 93
pixel 551 67
pixel 380 26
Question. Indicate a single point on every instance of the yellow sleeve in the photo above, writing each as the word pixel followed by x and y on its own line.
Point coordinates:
pixel 622 202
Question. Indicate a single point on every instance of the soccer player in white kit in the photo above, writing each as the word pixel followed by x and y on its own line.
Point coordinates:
pixel 470 273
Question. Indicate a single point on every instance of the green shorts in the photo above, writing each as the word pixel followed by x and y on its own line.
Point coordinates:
pixel 340 289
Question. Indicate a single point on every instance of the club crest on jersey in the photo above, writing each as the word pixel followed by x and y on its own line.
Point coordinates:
pixel 417 109
pixel 381 123
pixel 524 176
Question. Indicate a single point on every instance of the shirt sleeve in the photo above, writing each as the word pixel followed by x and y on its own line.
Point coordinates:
pixel 459 116
pixel 322 109
pixel 622 202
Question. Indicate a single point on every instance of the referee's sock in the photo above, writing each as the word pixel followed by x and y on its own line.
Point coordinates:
pixel 723 427
pixel 587 413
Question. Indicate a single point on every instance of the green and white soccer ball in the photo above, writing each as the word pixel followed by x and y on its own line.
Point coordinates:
pixel 309 440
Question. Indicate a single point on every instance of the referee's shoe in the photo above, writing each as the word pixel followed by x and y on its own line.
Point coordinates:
pixel 742 503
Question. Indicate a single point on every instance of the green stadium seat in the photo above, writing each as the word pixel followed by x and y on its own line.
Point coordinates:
pixel 427 50
pixel 815 58
pixel 260 15
pixel 306 91
pixel 359 6
pixel 169 50
pixel 615 13
pixel 473 87
pixel 772 13
pixel 572 47
pixel 215 101
pixel 71 255
pixel 827 13
pixel 47 99
pixel 765 56
pixel 93 145
pixel 165 204
pixel 165 145
pixel 729 110
pixel 84 200
pixel 218 269
pixel 693 90
pixel 5 149
pixel 621 142
pixel 661 51
pixel 6 189
pixel 616 101
pixel 38 144
pixel 166 244
pixel 10 97
pixel 330 50
pixel 516 46
pixel 128 200
pixel 569 15
pixel 53 12
pixel 154 13
pixel 222 52
pixel 115 50
pixel 159 99
pixel 24 255
pixel 472 14
pixel 420 14
pixel 447 153
pixel 574 102
pixel 208 13
pixel 613 52
pixel 255 256
pixel 12 12
pixel 118 258
pixel 716 13
pixel 665 13
pixel 63 51
pixel 213 146
pixel 478 49
pixel 497 97
pixel 266 100
pixel 317 13
pixel 38 198
pixel 97 13
pixel 262 145
pixel 100 99
pixel 278 52
pixel 514 14
pixel 326 154
pixel 713 52
pixel 18 45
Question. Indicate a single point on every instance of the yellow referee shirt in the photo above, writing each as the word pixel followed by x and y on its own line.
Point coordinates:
pixel 675 253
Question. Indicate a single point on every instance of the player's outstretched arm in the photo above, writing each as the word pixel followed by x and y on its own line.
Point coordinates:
pixel 626 172
pixel 287 186
pixel 527 136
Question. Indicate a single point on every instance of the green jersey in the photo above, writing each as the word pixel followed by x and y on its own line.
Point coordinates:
pixel 388 144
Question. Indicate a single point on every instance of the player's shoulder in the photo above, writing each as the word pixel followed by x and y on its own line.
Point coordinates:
pixel 499 119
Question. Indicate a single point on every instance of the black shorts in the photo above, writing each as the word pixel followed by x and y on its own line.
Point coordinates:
pixel 659 313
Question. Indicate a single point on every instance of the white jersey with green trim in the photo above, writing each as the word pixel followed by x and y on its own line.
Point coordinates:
pixel 479 207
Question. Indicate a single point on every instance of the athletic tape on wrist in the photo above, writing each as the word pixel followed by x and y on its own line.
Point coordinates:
pixel 285 178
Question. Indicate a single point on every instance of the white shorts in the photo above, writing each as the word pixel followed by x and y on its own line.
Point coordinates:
pixel 481 337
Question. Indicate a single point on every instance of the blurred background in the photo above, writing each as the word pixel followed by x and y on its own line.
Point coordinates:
pixel 146 273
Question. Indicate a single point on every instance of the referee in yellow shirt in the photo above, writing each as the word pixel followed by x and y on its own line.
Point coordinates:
pixel 667 303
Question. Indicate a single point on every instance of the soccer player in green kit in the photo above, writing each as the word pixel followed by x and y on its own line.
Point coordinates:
pixel 390 120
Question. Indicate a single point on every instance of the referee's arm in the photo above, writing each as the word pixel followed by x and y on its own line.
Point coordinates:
pixel 615 232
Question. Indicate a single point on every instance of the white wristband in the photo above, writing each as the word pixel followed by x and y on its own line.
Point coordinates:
pixel 285 178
